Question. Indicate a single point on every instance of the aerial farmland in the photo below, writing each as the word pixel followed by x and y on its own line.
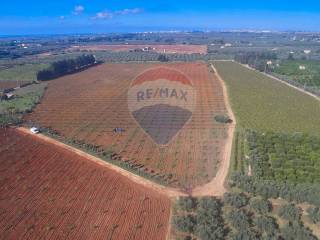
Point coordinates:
pixel 191 135
pixel 87 107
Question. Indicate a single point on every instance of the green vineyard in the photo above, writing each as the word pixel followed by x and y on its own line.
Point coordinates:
pixel 262 103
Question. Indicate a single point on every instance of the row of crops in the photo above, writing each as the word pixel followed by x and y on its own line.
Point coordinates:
pixel 49 191
pixel 276 150
pixel 262 103
pixel 152 56
pixel 191 158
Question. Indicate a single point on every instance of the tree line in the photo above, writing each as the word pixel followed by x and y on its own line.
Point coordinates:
pixel 299 193
pixel 63 67
pixel 257 60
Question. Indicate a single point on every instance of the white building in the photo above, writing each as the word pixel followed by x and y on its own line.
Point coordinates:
pixel 301 67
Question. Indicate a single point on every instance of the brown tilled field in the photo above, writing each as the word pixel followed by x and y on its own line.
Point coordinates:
pixel 178 48
pixel 88 106
pixel 47 192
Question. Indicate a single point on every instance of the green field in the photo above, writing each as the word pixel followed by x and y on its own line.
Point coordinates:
pixel 12 111
pixel 27 72
pixel 262 103
pixel 309 77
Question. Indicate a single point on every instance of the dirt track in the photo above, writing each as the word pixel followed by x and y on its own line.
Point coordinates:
pixel 216 187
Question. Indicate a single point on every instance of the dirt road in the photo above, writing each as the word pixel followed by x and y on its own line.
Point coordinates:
pixel 216 187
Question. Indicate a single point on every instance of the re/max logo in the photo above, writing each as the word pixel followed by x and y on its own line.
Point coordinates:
pixel 162 93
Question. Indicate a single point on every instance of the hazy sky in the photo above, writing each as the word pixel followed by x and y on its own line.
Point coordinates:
pixel 99 16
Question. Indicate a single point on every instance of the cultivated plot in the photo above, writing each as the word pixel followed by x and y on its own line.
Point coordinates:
pixel 49 192
pixel 262 103
pixel 163 135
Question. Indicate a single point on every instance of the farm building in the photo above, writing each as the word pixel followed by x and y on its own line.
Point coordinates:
pixel 7 96
pixel 301 67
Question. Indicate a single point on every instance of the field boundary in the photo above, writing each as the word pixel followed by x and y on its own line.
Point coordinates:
pixel 169 192
pixel 216 187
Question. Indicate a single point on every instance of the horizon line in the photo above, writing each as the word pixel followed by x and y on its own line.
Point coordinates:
pixel 167 31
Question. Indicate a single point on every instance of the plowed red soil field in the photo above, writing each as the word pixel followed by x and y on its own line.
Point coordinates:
pixel 88 106
pixel 178 48
pixel 47 192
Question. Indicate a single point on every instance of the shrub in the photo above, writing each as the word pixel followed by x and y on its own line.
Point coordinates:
pixel 187 204
pixel 290 212
pixel 294 230
pixel 266 224
pixel 245 234
pixel 210 224
pixel 314 214
pixel 222 119
pixel 163 58
pixel 260 206
pixel 236 199
pixel 239 219
pixel 185 223
pixel 209 232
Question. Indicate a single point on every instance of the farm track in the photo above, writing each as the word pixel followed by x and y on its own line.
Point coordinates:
pixel 216 187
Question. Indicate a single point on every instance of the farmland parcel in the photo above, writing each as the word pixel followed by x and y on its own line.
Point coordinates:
pixel 49 192
pixel 262 103
pixel 95 107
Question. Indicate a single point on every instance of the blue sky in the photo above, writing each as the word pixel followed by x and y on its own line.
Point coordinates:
pixel 100 16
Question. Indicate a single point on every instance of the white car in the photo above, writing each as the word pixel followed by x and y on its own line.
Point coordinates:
pixel 35 130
